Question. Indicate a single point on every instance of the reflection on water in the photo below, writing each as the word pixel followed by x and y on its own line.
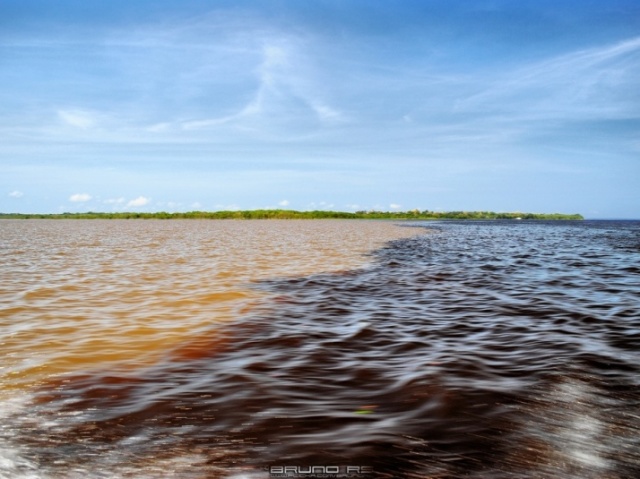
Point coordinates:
pixel 485 350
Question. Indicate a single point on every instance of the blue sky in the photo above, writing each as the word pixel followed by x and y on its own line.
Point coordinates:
pixel 346 105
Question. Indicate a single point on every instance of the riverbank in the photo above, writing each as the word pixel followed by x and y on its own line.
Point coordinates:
pixel 293 214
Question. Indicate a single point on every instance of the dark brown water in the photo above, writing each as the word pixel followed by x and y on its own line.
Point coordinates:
pixel 482 350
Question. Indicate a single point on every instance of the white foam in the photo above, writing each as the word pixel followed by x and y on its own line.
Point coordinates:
pixel 13 463
pixel 568 428
pixel 14 466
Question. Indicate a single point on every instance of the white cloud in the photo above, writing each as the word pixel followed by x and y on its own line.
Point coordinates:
pixel 395 206
pixel 16 194
pixel 197 205
pixel 284 203
pixel 80 197
pixel 139 201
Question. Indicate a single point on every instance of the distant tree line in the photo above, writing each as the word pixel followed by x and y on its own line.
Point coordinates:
pixel 292 214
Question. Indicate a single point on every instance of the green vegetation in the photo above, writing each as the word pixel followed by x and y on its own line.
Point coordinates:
pixel 292 214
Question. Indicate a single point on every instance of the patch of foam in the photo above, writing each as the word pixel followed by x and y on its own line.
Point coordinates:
pixel 581 432
pixel 13 463
pixel 14 466
pixel 566 432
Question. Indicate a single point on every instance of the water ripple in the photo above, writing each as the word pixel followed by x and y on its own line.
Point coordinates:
pixel 484 350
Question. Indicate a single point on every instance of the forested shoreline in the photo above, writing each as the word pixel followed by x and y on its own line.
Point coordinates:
pixel 293 214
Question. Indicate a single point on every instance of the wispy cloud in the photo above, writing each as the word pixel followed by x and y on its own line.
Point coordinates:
pixel 598 82
pixel 16 194
pixel 77 118
pixel 285 94
pixel 171 82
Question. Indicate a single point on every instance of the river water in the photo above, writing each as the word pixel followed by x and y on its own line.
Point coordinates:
pixel 260 349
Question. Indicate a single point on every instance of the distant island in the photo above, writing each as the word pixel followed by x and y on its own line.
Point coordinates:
pixel 292 214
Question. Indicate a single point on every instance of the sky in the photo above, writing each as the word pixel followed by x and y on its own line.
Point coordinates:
pixel 347 105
